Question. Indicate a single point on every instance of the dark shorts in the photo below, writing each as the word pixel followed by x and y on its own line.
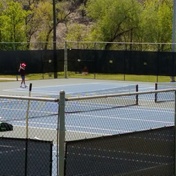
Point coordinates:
pixel 22 77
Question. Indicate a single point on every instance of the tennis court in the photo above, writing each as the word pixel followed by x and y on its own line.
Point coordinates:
pixel 108 122
pixel 10 110
pixel 85 118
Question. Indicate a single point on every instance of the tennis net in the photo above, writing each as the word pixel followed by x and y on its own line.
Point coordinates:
pixel 114 90
pixel 101 100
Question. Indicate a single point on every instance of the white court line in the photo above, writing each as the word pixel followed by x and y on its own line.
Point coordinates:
pixel 77 131
pixel 42 128
pixel 38 111
pixel 67 126
pixel 80 129
pixel 120 118
pixel 65 85
pixel 114 118
pixel 91 128
pixel 134 108
pixel 34 91
pixel 69 85
pixel 130 109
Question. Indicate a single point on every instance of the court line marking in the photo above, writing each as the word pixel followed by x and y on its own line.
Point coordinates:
pixel 91 128
pixel 40 128
pixel 126 119
pixel 133 108
pixel 65 85
pixel 55 129
pixel 80 84
pixel 78 130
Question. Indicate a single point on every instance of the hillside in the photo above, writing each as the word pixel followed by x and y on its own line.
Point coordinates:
pixel 76 18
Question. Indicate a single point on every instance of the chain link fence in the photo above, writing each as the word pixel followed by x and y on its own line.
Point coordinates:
pixel 31 147
pixel 113 135
pixel 21 157
pixel 119 59
pixel 125 46
pixel 90 133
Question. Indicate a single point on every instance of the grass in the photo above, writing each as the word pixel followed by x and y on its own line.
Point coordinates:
pixel 119 77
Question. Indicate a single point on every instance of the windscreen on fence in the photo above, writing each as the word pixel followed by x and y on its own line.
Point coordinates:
pixel 149 152
pixel 37 61
pixel 25 157
pixel 122 62
pixel 93 60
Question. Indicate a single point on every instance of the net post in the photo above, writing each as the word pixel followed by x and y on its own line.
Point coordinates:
pixel 61 134
pixel 156 88
pixel 137 96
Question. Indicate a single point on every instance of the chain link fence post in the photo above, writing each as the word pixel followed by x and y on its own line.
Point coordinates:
pixel 61 133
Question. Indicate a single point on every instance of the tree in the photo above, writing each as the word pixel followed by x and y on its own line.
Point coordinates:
pixel 156 22
pixel 31 21
pixel 13 24
pixel 44 16
pixel 43 22
pixel 113 19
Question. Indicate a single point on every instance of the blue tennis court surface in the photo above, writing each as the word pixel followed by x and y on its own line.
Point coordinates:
pixel 108 122
pixel 78 88
pixel 82 119
pixel 98 122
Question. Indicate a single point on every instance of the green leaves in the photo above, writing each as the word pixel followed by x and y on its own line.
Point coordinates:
pixel 156 22
pixel 12 22
pixel 131 20
pixel 93 20
pixel 115 20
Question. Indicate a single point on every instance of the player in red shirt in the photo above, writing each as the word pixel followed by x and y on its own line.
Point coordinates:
pixel 22 73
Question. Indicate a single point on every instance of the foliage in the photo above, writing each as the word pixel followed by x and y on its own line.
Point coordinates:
pixel 116 18
pixel 156 22
pixel 12 24
pixel 85 20
pixel 131 20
